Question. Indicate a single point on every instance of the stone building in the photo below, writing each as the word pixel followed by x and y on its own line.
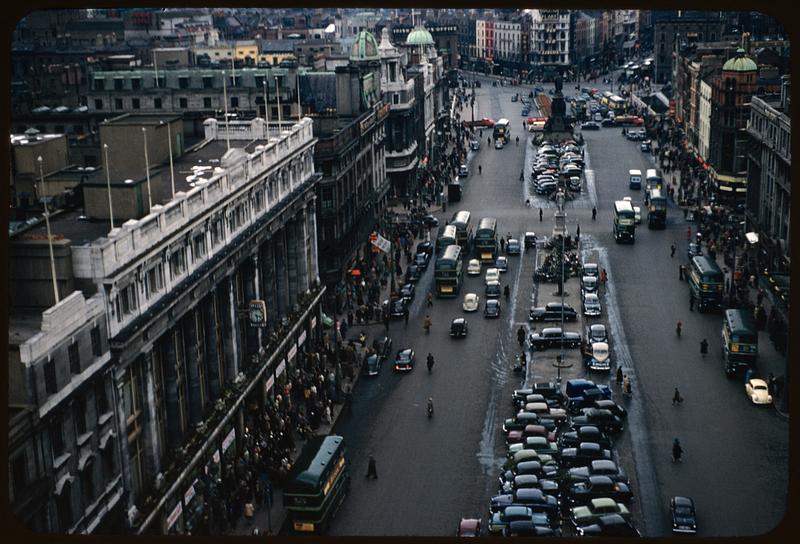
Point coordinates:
pixel 551 41
pixel 671 27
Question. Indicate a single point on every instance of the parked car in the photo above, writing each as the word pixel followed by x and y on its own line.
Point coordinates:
pixel 595 487
pixel 526 528
pixel 637 215
pixel 645 146
pixel 413 273
pixel 588 285
pixel 469 527
pixel 608 122
pixel 463 171
pixel 591 269
pixel 591 305
pixel 382 346
pixel 373 365
pixel 596 333
pixel 458 327
pixel 589 513
pixel 613 407
pixel 513 247
pixel 603 419
pixel 590 125
pixel 405 359
pixel 530 239
pixel 429 221
pixel 397 308
pixel 599 357
pixel 474 267
pixel 574 183
pixel 539 444
pixel 500 520
pixel 501 264
pixel 577 386
pixel 586 400
pixel 684 517
pixel 552 312
pixel 515 97
pixel 475 145
pixel 546 187
pixel 426 246
pixel 492 290
pixel 491 308
pixel 553 337
pixel 583 454
pixel 758 391
pixel 612 525
pixel 586 433
pixel 523 419
pixel 600 467
pixel 471 302
pixel 498 143
pixel 407 292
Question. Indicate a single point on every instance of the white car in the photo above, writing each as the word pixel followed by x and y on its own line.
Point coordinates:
pixel 637 215
pixel 463 171
pixel 758 391
pixel 471 302
pixel 627 199
pixel 591 305
pixel 474 267
pixel 498 143
pixel 492 274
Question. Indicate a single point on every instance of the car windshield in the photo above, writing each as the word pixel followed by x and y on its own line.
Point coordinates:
pixel 683 511
pixel 760 387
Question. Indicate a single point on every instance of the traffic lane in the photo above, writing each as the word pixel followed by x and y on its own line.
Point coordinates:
pixel 716 420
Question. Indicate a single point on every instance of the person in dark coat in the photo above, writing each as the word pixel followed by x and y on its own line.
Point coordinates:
pixel 372 471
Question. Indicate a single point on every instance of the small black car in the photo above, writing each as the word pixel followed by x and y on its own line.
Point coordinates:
pixel 422 260
pixel 595 487
pixel 585 453
pixel 382 346
pixel 554 337
pixel 373 365
pixel 684 518
pixel 425 247
pixel 596 333
pixel 458 327
pixel 407 292
pixel 600 467
pixel 611 406
pixel 397 308
pixel 587 433
pixel 609 525
pixel 552 312
pixel 603 419
pixel 491 308
pixel 413 273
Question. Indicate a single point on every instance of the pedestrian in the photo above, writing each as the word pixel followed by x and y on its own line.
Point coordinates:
pixel 430 299
pixel 405 315
pixel 771 384
pixel 619 375
pixel 677 450
pixel 672 250
pixel 386 321
pixel 372 471
pixel 350 319
pixel 677 398
pixel 578 233
pixel 502 244
pixel 704 347
pixel 540 215
pixel 680 272
pixel 249 511
pixel 594 213
pixel 691 301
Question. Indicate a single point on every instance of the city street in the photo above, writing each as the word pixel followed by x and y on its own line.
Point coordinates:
pixel 433 472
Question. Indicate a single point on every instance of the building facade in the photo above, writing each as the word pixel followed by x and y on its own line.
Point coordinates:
pixel 671 27
pixel 551 41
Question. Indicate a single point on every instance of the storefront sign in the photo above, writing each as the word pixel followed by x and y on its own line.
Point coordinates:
pixel 228 440
pixel 302 338
pixel 313 322
pixel 190 493
pixel 173 517
pixel 215 457
pixel 292 353
pixel 281 368
pixel 269 384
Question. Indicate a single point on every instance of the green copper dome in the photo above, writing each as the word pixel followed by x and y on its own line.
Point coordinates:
pixel 365 47
pixel 419 36
pixel 740 63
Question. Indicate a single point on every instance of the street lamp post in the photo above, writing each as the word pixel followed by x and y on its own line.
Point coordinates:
pixel 49 236
pixel 108 184
pixel 147 171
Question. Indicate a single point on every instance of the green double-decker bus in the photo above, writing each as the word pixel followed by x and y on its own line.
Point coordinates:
pixel 706 282
pixel 447 236
pixel 624 222
pixel 657 210
pixel 463 230
pixel 448 272
pixel 318 483
pixel 739 342
pixel 486 239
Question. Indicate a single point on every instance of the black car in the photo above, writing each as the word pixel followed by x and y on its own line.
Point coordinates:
pixel 552 312
pixel 430 221
pixel 596 333
pixel 422 260
pixel 600 467
pixel 491 308
pixel 413 273
pixel 458 327
pixel 586 400
pixel 587 433
pixel 554 337
pixel 405 360
pixel 382 346
pixel 607 122
pixel 425 247
pixel 694 250
pixel 532 497
pixel 684 518
pixel 398 308
pixel 407 292
pixel 616 409
pixel 590 125
pixel 492 290
pixel 373 365
pixel 549 390
pixel 512 482
pixel 522 419
pixel 580 493
pixel 528 528
pixel 612 525
pixel 585 453
pixel 603 419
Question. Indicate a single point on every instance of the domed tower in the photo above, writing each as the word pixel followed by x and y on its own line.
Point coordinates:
pixel 419 40
pixel 358 84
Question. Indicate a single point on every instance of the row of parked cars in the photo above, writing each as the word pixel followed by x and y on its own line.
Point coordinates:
pixel 554 162
pixel 560 465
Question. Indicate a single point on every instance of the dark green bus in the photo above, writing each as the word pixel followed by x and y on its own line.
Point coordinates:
pixel 486 239
pixel 706 282
pixel 318 482
pixel 739 342
pixel 448 271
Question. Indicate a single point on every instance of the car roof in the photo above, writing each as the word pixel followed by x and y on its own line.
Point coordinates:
pixel 459 320
pixel 758 381
pixel 405 350
pixel 528 493
pixel 600 479
pixel 603 501
pixel 600 346
pixel 492 283
pixel 680 500
pixel 470 295
pixel 603 464
pixel 492 302
pixel 592 297
pixel 597 327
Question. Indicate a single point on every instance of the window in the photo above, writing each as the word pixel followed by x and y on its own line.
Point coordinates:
pixel 154 280
pixel 177 262
pixel 98 104
pixel 97 348
pixel 118 84
pixel 79 415
pixel 259 81
pixel 183 102
pixel 56 439
pixel 99 84
pixel 19 474
pixel 216 232
pixel 208 82
pixel 135 103
pixel 157 103
pixel 87 483
pixel 161 82
pixel 207 103
pixel 234 101
pixel 183 82
pixel 101 398
pixel 50 377
pixel 117 103
pixel 199 246
pixel 136 83
pixel 74 358
pixel 64 509
pixel 127 299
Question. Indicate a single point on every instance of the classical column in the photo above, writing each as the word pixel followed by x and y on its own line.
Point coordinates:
pixel 292 244
pixel 249 268
pixel 311 218
pixel 281 283
pixel 230 342
pixel 174 434
pixel 267 272
pixel 192 365
pixel 152 461
pixel 212 344
pixel 303 251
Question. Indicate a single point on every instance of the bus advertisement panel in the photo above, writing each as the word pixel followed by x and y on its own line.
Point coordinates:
pixel 706 282
pixel 502 130
pixel 486 239
pixel 447 272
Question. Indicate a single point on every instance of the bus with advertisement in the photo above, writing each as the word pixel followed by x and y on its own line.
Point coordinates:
pixel 624 222
pixel 706 282
pixel 502 130
pixel 657 210
pixel 739 341
pixel 463 230
pixel 317 484
pixel 447 272
pixel 486 239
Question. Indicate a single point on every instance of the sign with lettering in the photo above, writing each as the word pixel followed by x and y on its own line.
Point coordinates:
pixel 302 338
pixel 281 368
pixel 257 311
pixel 190 493
pixel 228 440
pixel 313 322
pixel 174 515
pixel 292 353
